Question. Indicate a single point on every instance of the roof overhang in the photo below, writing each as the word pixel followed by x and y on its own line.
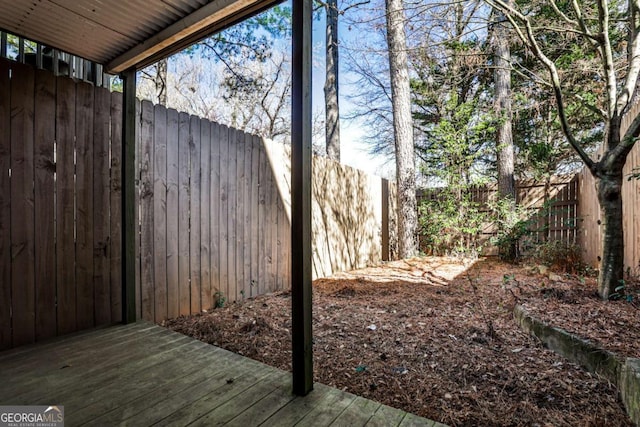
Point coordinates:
pixel 123 34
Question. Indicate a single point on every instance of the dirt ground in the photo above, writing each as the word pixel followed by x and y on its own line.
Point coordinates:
pixel 436 337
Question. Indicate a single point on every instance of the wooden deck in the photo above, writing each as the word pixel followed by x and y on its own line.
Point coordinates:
pixel 142 374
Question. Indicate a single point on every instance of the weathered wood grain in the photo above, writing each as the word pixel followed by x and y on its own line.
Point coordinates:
pixel 84 206
pixel 386 416
pixel 160 255
pixel 44 205
pixel 263 170
pixel 22 205
pixel 173 215
pixel 246 202
pixel 184 189
pixel 147 290
pixel 115 217
pixel 232 230
pixel 5 207
pixel 195 217
pixel 224 214
pixel 214 210
pixel 205 216
pixel 101 209
pixel 254 237
pixel 65 250
pixel 141 374
pixel 238 223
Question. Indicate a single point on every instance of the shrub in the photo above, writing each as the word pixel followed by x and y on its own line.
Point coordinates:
pixel 512 225
pixel 450 224
pixel 559 256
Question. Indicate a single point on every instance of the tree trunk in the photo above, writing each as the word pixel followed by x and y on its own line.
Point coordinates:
pixel 502 105
pixel 332 116
pixel 609 189
pixel 403 129
pixel 502 109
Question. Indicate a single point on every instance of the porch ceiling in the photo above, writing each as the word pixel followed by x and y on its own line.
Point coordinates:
pixel 123 34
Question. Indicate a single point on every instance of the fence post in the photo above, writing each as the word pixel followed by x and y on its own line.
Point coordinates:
pixel 301 255
pixel 128 197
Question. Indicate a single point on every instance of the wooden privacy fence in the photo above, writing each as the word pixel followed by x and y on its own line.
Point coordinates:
pixel 213 223
pixel 590 237
pixel 215 213
pixel 552 209
pixel 213 208
pixel 59 205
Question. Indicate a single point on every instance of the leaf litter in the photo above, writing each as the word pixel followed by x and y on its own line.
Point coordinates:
pixel 445 345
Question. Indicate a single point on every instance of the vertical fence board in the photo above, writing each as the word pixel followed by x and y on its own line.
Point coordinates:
pixel 147 293
pixel 100 180
pixel 84 206
pixel 385 219
pixel 238 142
pixel 173 213
pixel 269 224
pixel 205 216
pixel 196 181
pixel 22 208
pixel 273 225
pixel 214 210
pixel 115 219
pixel 183 217
pixel 232 219
pixel 284 231
pixel 263 168
pixel 224 211
pixel 255 207
pixel 138 195
pixel 65 170
pixel 160 256
pixel 44 187
pixel 5 206
pixel 246 201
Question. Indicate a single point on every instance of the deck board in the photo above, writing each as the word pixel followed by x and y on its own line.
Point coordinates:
pixel 143 374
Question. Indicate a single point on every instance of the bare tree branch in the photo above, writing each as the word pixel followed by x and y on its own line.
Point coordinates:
pixel 564 17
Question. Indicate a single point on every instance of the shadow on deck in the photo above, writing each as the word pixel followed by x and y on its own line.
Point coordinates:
pixel 142 374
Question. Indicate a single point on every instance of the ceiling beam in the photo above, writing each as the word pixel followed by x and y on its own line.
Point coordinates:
pixel 211 17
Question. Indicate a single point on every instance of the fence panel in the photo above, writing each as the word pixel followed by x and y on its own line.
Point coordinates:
pixel 552 208
pixel 59 238
pixel 590 235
